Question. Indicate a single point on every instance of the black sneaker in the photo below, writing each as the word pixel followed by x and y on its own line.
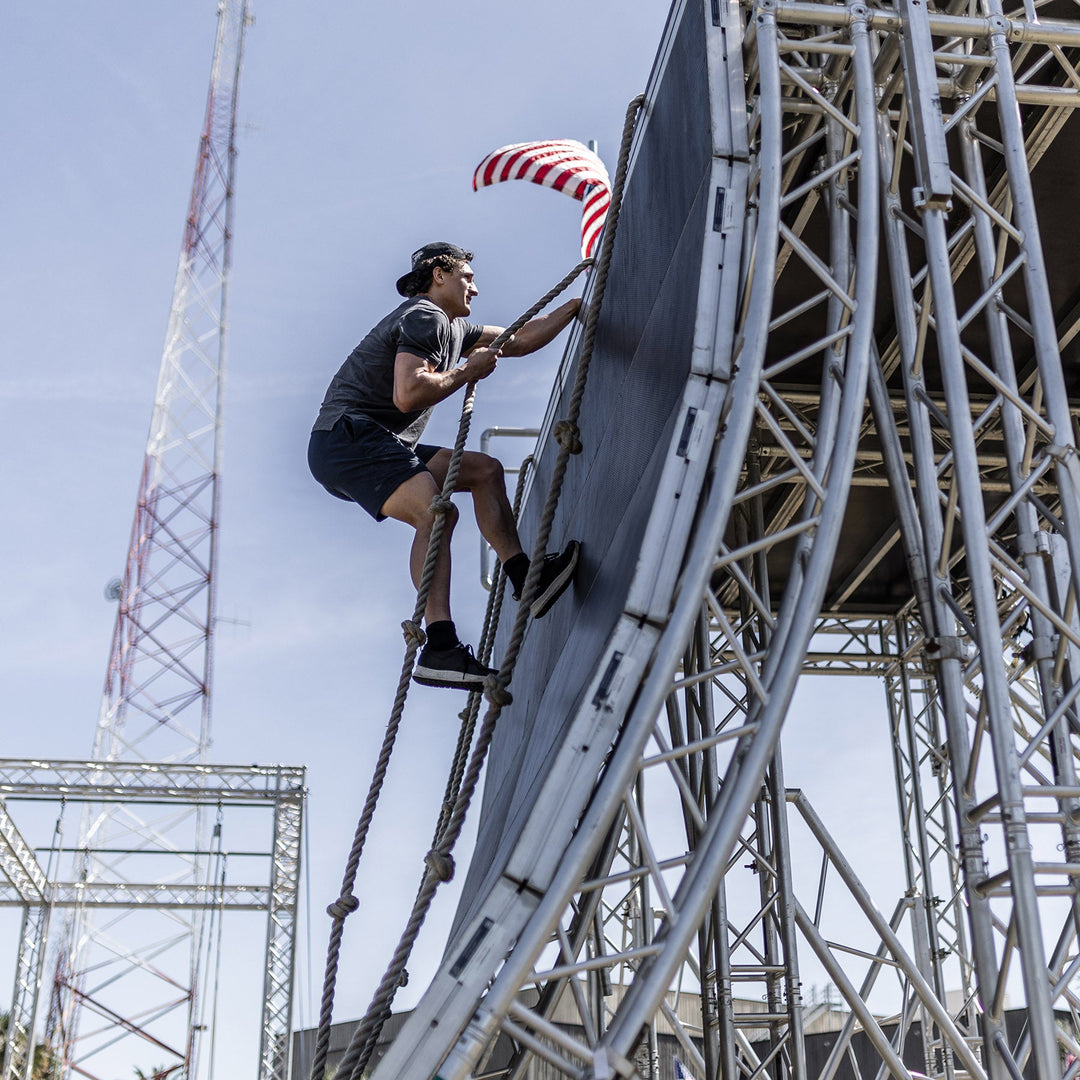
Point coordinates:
pixel 556 573
pixel 456 667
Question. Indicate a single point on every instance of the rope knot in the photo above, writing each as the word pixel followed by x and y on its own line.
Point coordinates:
pixel 567 436
pixel 343 906
pixel 413 632
pixel 496 693
pixel 440 505
pixel 440 864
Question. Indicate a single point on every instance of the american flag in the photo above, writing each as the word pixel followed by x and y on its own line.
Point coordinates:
pixel 563 164
pixel 680 1071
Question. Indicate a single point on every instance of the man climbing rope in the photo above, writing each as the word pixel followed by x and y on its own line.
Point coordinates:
pixel 365 443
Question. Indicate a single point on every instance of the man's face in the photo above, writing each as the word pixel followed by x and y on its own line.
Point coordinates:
pixel 456 290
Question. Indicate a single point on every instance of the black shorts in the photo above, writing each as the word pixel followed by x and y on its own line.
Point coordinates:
pixel 360 461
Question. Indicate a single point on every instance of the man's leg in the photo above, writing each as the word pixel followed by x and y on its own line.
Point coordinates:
pixel 482 476
pixel 411 503
pixel 443 661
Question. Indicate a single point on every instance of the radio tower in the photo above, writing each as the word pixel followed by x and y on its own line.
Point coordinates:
pixel 136 974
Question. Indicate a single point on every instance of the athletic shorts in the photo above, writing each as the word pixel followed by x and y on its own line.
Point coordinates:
pixel 360 461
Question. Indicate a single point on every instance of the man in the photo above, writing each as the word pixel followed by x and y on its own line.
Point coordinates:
pixel 365 444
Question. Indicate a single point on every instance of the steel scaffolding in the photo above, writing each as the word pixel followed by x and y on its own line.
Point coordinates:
pixel 892 490
pixel 276 791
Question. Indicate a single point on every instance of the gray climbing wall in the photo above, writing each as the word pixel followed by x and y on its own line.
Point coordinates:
pixel 638 372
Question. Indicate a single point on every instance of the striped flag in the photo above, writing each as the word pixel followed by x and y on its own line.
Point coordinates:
pixel 563 164
pixel 680 1071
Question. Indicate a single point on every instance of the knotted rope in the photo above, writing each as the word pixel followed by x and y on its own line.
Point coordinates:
pixel 487 643
pixel 362 1044
pixel 414 639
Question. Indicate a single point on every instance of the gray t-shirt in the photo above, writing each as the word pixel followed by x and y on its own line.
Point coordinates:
pixel 364 385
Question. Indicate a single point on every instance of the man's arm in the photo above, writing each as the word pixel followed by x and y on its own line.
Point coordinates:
pixel 417 383
pixel 535 334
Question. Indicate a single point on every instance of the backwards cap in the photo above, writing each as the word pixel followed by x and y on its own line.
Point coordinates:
pixel 429 251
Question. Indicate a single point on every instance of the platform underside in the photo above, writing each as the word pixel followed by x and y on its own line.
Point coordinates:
pixel 870 575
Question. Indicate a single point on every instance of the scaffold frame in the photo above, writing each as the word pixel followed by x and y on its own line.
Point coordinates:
pixel 276 790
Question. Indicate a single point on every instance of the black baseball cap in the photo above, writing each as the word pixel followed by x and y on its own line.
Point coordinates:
pixel 429 251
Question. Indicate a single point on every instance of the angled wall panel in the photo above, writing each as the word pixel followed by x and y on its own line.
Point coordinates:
pixel 633 399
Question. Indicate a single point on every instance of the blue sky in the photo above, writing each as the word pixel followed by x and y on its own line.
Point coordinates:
pixel 360 126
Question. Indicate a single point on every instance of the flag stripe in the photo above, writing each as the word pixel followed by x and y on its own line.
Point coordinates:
pixel 562 164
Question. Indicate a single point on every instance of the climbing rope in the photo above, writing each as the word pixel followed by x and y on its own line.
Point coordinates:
pixel 442 865
pixel 439 862
pixel 346 903
pixel 487 644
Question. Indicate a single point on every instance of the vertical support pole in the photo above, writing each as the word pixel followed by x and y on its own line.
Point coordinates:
pixel 987 628
pixel 19 1046
pixel 1036 548
pixel 938 621
pixel 714 948
pixel 644 934
pixel 276 1034
pixel 783 992
pixel 918 855
pixel 1043 325
pixel 785 910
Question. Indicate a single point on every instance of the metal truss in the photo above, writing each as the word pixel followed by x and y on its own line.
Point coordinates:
pixel 275 1037
pixel 902 138
pixel 156 701
pixel 149 896
pixel 973 310
pixel 933 870
pixel 29 966
pixel 278 790
pixel 119 781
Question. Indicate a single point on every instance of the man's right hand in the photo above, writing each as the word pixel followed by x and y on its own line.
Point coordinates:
pixel 480 364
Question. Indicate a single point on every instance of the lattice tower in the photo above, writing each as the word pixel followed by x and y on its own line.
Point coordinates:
pixel 136 975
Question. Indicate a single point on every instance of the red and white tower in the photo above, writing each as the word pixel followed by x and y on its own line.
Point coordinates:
pixel 133 974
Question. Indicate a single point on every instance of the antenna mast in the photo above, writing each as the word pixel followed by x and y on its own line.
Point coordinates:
pixel 140 973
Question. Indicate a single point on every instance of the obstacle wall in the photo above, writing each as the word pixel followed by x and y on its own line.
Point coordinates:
pixel 639 368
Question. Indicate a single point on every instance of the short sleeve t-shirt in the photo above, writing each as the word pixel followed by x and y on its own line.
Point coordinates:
pixel 364 384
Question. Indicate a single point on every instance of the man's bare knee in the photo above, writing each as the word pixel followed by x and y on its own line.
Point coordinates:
pixel 489 471
pixel 424 520
pixel 412 502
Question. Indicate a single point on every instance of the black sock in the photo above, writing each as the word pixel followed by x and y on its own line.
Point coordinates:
pixel 442 635
pixel 517 570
